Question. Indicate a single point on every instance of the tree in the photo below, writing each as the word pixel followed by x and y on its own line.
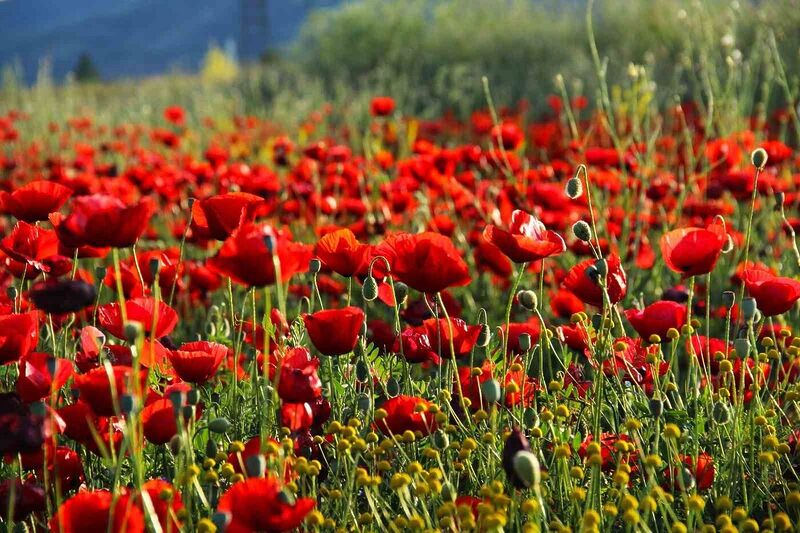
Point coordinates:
pixel 85 70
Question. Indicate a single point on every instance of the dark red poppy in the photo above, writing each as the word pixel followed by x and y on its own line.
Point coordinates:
pixel 218 216
pixel 583 281
pixel 95 387
pixel 104 221
pixel 415 346
pixel 381 106
pixel 773 294
pixel 403 414
pixel 62 296
pixel 40 374
pixel 693 251
pixel 526 240
pixel 19 335
pixel 29 497
pixel 197 362
pixel 341 252
pixel 246 258
pixel 167 508
pixel 657 318
pixel 334 331
pixel 428 262
pixel 159 421
pixel 157 318
pixel 703 474
pixel 97 511
pixel 256 504
pixel 299 382
pixel 34 201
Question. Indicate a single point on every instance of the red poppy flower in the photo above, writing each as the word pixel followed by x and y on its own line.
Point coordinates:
pixel 526 240
pixel 246 259
pixel 34 201
pixel 299 382
pixel 104 221
pixel 95 387
pixel 305 416
pixel 341 252
pixel 693 251
pixel 40 374
pixel 463 336
pixel 585 284
pixel 608 452
pixel 515 330
pixel 166 508
pixel 402 414
pixel 218 216
pixel 703 474
pixel 381 106
pixel 334 331
pixel 508 134
pixel 657 318
pixel 415 346
pixel 197 362
pixel 19 335
pixel 565 304
pixel 159 421
pixel 175 115
pixel 83 426
pixel 256 504
pixel 28 498
pixel 141 310
pixel 774 295
pixel 428 262
pixel 32 245
pixel 97 511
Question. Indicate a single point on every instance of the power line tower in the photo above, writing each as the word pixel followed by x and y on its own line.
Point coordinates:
pixel 254 29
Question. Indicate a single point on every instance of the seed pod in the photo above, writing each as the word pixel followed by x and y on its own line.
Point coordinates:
pixel 392 387
pixel 721 413
pixel 155 266
pixel 749 308
pixel 582 230
pixel 656 407
pixel 491 391
pixel 175 444
pixel 574 188
pixel 528 299
pixel 526 469
pixel 100 273
pixel 400 292
pixel 314 266
pixel 742 347
pixel 219 425
pixel 255 465
pixel 211 448
pixel 728 299
pixel 362 371
pixel 516 442
pixel 759 158
pixel 524 342
pixel 369 291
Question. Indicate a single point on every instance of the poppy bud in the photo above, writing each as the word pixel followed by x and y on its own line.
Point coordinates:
pixel 528 300
pixel 759 158
pixel 133 330
pixel 392 387
pixel 100 273
pixel 592 273
pixel 582 230
pixel 187 411
pixel 602 267
pixel 449 493
pixel 221 519
pixel 574 188
pixel 780 199
pixel 749 308
pixel 728 299
pixel 721 413
pixel 524 342
pixel 441 440
pixel 728 246
pixel 178 398
pixel 515 443
pixel 526 469
pixel 314 266
pixel 370 289
pixel 126 404
pixel 255 465
pixel 742 347
pixel 656 407
pixel 219 425
pixel 193 397
pixel 211 448
pixel 364 402
pixel 190 202
pixel 60 297
pixel 11 292
pixel 530 417
pixel 286 497
pixel 491 390
pixel 362 371
pixel 155 265
pixel 175 444
pixel 400 292
pixel 485 336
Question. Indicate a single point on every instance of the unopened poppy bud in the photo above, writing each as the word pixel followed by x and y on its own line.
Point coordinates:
pixel 370 289
pixel 393 387
pixel 485 336
pixel 193 397
pixel 582 230
pixel 362 371
pixel 314 266
pixel 187 412
pixel 528 299
pixel 177 398
pixel 155 265
pixel 286 497
pixel 602 267
pixel 728 246
pixel 364 402
pixel 515 443
pixel 780 199
pixel 742 347
pixel 759 158
pixel 11 292
pixel 491 391
pixel 133 331
pixel 269 242
pixel 721 413
pixel 525 342
pixel 211 448
pixel 221 519
pixel 656 407
pixel 219 425
pixel 574 188
pixel 592 273
pixel 256 465
pixel 100 273
pixel 126 403
pixel 526 468
pixel 190 201
pixel 728 299
pixel 449 494
pixel 749 308
pixel 400 292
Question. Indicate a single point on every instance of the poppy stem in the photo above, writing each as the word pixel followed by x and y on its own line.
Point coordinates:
pixel 120 292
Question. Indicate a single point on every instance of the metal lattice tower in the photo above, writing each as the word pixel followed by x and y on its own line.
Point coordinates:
pixel 254 30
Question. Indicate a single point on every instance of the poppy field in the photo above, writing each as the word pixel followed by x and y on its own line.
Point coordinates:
pixel 575 314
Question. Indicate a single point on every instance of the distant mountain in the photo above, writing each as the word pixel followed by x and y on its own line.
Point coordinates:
pixel 132 38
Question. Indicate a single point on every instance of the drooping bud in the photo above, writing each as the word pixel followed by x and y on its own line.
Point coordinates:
pixel 400 292
pixel 485 336
pixel 314 266
pixel 256 465
pixel 574 188
pixel 525 342
pixel 370 289
pixel 528 299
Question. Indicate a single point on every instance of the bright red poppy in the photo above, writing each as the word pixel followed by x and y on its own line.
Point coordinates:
pixel 34 201
pixel 773 294
pixel 218 216
pixel 583 281
pixel 299 382
pixel 166 501
pixel 157 318
pixel 527 240
pixel 403 414
pixel 341 252
pixel 19 335
pixel 428 262
pixel 334 331
pixel 97 511
pixel 40 374
pixel 463 336
pixel 197 362
pixel 96 386
pixel 159 421
pixel 703 473
pixel 381 106
pixel 31 244
pixel 104 221
pixel 657 318
pixel 693 251
pixel 256 504
pixel 246 258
